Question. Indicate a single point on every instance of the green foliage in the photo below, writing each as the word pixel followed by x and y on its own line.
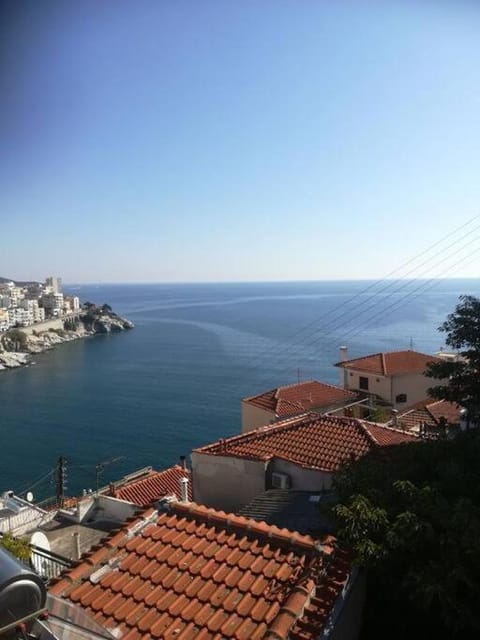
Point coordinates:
pixel 411 515
pixel 17 546
pixel 380 414
pixel 17 336
pixel 462 328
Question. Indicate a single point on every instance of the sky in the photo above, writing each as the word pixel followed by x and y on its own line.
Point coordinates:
pixel 247 140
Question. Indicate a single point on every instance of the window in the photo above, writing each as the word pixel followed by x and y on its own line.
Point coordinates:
pixel 402 397
pixel 363 383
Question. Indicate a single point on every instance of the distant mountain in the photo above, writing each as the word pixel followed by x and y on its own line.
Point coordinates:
pixel 20 283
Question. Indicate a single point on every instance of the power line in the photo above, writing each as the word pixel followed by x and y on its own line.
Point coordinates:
pixel 395 305
pixel 370 287
pixel 37 482
pixel 390 308
pixel 331 329
pixel 429 284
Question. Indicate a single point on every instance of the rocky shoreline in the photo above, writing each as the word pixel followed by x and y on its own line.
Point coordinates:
pixel 17 346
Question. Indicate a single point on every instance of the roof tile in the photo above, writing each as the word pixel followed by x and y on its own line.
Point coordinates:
pixel 236 580
pixel 301 397
pixel 390 363
pixel 311 441
pixel 151 486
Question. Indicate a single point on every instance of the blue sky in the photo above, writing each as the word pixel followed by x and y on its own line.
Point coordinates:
pixel 235 140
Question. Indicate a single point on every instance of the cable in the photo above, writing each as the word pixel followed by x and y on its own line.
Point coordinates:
pixel 374 284
pixel 372 302
pixel 36 483
pixel 429 284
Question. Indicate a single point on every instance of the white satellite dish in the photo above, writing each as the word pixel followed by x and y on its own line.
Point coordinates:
pixel 39 539
pixel 29 496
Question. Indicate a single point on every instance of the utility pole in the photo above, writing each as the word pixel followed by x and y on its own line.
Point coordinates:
pixel 61 480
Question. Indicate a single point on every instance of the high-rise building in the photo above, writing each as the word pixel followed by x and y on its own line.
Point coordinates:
pixel 53 284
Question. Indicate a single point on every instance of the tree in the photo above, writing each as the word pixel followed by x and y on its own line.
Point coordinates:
pixel 411 515
pixel 17 546
pixel 462 328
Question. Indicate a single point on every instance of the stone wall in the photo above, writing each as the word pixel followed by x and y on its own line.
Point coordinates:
pixel 55 323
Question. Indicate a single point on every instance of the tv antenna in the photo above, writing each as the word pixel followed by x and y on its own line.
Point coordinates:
pixel 100 467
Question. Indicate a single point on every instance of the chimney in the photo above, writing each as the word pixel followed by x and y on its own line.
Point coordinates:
pixel 184 489
pixel 343 372
pixel 395 417
pixel 76 542
pixel 183 462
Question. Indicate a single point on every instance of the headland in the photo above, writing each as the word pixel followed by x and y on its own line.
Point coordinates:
pixel 36 317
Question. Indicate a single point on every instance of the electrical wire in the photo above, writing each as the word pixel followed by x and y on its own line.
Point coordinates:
pixel 372 286
pixel 36 483
pixel 373 301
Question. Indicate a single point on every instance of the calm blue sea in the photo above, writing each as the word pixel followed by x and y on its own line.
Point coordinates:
pixel 175 382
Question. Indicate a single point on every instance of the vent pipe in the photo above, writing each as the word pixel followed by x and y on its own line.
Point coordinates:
pixel 395 417
pixel 183 462
pixel 184 489
pixel 343 373
pixel 76 544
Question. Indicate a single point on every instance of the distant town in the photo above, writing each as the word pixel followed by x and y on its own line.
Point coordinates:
pixel 36 317
pixel 25 304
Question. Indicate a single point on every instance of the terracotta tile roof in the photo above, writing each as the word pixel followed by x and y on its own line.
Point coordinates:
pixel 391 363
pixel 196 573
pixel 152 486
pixel 430 412
pixel 443 409
pixel 297 398
pixel 312 441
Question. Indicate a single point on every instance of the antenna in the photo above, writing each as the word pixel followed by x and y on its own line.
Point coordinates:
pixel 100 467
pixel 61 480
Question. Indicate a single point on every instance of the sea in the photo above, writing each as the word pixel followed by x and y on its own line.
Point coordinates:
pixel 111 404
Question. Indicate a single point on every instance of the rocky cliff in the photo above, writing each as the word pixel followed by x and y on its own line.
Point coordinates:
pixel 16 346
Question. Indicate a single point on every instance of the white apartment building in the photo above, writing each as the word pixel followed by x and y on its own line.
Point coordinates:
pixel 20 317
pixel 38 313
pixel 53 285
pixel 53 304
pixel 16 294
pixel 4 320
pixel 71 304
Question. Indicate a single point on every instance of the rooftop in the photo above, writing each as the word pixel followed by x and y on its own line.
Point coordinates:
pixel 391 363
pixel 295 510
pixel 196 573
pixel 430 412
pixel 303 396
pixel 150 485
pixel 312 441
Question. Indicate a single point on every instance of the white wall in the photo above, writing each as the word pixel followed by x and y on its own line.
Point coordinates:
pixel 380 385
pixel 254 417
pixel 224 482
pixel 301 479
pixel 100 508
pixel 415 386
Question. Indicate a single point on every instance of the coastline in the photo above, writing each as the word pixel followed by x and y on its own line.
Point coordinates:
pixel 17 346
